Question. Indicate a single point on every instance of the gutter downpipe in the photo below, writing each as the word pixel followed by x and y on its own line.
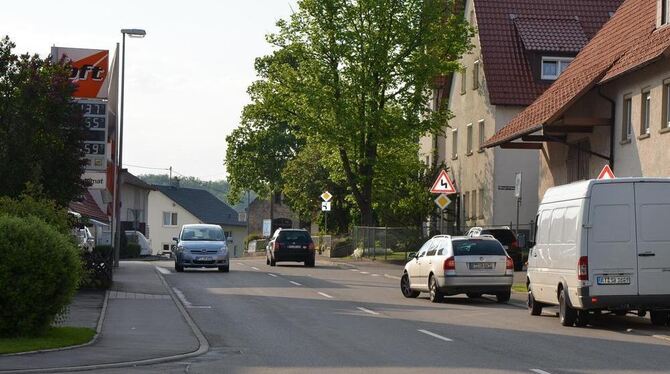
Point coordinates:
pixel 612 131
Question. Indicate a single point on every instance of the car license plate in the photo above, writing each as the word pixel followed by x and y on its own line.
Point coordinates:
pixel 203 258
pixel 613 279
pixel 295 246
pixel 482 265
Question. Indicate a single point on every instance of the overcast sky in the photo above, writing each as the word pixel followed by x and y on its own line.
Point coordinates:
pixel 185 82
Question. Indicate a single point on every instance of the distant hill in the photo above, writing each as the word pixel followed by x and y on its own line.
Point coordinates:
pixel 218 188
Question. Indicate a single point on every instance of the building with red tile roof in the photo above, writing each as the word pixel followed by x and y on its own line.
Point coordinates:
pixel 520 48
pixel 609 107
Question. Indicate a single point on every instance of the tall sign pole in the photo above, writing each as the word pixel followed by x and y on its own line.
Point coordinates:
pixel 443 186
pixel 517 194
pixel 325 207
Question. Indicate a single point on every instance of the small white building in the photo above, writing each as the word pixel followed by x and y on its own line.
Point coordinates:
pixel 170 207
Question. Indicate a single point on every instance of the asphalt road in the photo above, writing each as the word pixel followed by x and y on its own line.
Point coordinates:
pixel 334 318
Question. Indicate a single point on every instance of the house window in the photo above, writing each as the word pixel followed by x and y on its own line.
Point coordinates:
pixel 665 123
pixel 627 119
pixel 475 75
pixel 464 80
pixel 469 139
pixel 482 134
pixel 169 219
pixel 473 211
pixel 644 112
pixel 466 205
pixel 481 203
pixel 552 67
pixel 578 161
pixel 454 143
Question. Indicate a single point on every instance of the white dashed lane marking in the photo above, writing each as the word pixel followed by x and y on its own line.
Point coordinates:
pixel 436 336
pixel 367 311
pixel 539 371
pixel 272 275
pixel 255 268
pixel 325 295
pixel 163 270
pixel 295 283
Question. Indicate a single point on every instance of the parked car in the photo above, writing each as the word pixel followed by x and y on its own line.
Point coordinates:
pixel 138 238
pixel 602 245
pixel 447 265
pixel 507 238
pixel 85 240
pixel 290 245
pixel 201 246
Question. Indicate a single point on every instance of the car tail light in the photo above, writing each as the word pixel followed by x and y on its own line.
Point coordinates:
pixel 277 245
pixel 450 264
pixel 311 246
pixel 509 263
pixel 583 268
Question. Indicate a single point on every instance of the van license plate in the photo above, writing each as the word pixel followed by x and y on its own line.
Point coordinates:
pixel 482 265
pixel 613 279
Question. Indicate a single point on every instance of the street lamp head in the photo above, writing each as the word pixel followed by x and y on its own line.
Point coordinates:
pixel 134 33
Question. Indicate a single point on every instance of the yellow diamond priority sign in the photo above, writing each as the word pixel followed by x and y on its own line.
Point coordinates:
pixel 326 196
pixel 442 201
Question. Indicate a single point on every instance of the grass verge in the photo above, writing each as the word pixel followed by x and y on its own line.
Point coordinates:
pixel 55 337
pixel 519 287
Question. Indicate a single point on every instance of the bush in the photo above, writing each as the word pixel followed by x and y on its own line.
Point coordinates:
pixel 39 273
pixel 44 209
pixel 131 250
pixel 98 267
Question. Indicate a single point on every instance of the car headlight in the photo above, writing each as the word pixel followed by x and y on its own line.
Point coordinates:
pixel 223 249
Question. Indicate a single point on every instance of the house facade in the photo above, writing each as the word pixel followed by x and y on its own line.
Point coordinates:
pixel 134 203
pixel 282 215
pixel 520 48
pixel 611 106
pixel 170 207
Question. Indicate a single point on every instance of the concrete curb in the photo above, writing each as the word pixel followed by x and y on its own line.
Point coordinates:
pixel 98 328
pixel 202 348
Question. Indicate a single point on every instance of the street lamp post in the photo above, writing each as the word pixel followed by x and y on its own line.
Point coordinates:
pixel 133 33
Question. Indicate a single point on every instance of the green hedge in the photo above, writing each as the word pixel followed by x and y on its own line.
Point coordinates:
pixel 39 273
pixel 131 250
pixel 44 209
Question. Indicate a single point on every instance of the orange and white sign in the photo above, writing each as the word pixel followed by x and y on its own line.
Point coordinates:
pixel 89 70
pixel 443 184
pixel 606 173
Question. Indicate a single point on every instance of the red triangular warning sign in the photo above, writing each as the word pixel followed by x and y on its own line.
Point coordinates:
pixel 606 173
pixel 443 184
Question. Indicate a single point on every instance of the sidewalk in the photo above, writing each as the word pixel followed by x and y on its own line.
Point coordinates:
pixel 142 322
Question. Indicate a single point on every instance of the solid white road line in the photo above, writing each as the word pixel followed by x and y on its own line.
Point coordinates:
pixel 434 335
pixel 163 270
pixel 367 311
pixel 662 337
pixel 374 275
pixel 391 276
pixel 364 272
pixel 295 283
pixel 272 275
pixel 187 304
pixel 255 268
pixel 539 371
pixel 325 295
pixel 353 269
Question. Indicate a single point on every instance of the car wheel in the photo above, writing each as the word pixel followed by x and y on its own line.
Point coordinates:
pixel 224 269
pixel 658 318
pixel 566 314
pixel 583 318
pixel 179 268
pixel 534 307
pixel 267 260
pixel 474 295
pixel 309 263
pixel 503 297
pixel 435 295
pixel 406 289
pixel 273 262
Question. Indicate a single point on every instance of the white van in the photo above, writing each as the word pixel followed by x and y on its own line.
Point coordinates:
pixel 602 245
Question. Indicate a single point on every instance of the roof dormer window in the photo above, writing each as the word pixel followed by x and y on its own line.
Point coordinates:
pixel 552 67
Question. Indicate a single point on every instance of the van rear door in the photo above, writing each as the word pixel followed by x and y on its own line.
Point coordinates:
pixel 611 239
pixel 653 237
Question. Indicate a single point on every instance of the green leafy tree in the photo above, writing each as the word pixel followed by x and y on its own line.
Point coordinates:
pixel 41 130
pixel 355 76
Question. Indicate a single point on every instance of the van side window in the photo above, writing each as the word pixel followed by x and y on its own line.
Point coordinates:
pixel 545 223
pixel 556 230
pixel 614 223
pixel 570 221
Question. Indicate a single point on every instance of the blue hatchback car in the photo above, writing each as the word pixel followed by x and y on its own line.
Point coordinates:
pixel 201 246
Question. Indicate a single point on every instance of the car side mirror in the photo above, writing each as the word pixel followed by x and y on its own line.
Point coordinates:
pixel 176 239
pixel 411 256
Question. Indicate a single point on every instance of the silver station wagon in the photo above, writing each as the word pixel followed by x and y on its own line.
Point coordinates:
pixel 447 265
pixel 201 246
